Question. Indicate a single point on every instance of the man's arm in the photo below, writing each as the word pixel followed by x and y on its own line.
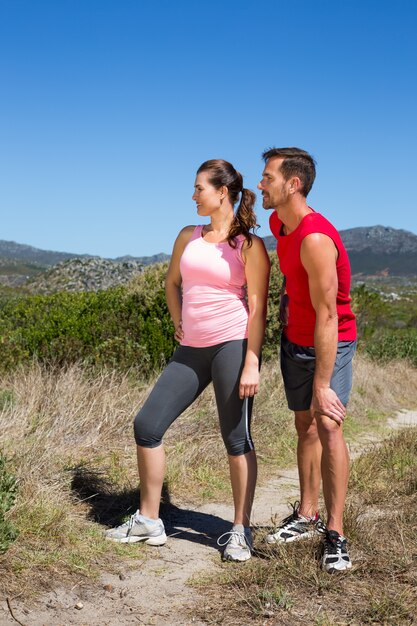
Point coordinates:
pixel 318 256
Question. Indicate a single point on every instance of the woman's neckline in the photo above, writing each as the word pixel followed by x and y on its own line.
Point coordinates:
pixel 211 243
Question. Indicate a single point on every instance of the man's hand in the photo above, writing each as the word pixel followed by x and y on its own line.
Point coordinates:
pixel 326 402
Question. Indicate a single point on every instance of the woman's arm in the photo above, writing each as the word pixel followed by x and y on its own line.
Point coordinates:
pixel 257 268
pixel 173 280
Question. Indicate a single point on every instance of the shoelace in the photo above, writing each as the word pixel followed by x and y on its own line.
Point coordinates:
pixel 296 514
pixel 293 516
pixel 232 533
pixel 332 544
pixel 129 524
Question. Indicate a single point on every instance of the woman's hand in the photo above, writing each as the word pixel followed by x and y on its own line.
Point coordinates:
pixel 249 381
pixel 179 333
pixel 173 281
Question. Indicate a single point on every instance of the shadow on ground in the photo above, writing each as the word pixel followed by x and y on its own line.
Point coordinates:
pixel 110 507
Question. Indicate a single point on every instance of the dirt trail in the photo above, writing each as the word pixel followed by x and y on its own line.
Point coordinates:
pixel 155 592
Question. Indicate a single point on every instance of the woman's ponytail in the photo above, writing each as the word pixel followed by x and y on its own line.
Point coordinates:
pixel 245 218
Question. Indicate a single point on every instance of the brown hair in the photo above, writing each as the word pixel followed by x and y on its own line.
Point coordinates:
pixel 222 173
pixel 296 162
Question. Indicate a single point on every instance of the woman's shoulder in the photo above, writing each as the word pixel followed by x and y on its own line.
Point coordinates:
pixel 256 242
pixel 256 249
pixel 186 232
pixel 188 229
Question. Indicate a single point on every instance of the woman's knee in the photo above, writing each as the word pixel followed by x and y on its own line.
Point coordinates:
pixel 237 447
pixel 146 435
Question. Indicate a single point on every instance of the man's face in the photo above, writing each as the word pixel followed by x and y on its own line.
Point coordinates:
pixel 275 189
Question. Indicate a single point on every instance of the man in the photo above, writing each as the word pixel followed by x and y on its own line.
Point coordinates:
pixel 317 346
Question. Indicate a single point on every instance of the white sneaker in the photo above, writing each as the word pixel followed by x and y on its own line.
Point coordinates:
pixel 238 545
pixel 295 527
pixel 335 554
pixel 138 528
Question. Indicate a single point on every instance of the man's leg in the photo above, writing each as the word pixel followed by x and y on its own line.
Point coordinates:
pixel 309 454
pixel 297 366
pixel 334 470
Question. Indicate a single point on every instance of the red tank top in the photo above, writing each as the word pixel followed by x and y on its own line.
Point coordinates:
pixel 301 314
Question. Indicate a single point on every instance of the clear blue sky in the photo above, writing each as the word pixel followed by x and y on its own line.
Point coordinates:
pixel 108 107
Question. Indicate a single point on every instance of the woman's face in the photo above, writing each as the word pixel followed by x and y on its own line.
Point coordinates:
pixel 207 197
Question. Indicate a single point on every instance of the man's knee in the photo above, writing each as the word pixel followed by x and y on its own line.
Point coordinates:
pixel 329 431
pixel 305 424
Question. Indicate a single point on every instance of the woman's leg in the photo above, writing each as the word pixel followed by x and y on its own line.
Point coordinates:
pixel 183 379
pixel 235 418
pixel 151 467
pixel 243 474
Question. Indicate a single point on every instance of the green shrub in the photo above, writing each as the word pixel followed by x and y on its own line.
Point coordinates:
pixel 127 327
pixel 273 324
pixel 370 309
pixel 390 344
pixel 119 327
pixel 8 490
pixel 379 331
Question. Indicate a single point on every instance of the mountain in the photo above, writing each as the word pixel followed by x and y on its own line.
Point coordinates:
pixel 373 251
pixel 46 258
pixel 29 254
pixel 377 250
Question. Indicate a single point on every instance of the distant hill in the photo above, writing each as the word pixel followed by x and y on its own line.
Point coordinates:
pixel 377 250
pixel 29 254
pixel 46 258
pixel 373 251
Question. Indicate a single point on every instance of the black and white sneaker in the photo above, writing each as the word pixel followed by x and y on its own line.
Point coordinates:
pixel 335 555
pixel 295 527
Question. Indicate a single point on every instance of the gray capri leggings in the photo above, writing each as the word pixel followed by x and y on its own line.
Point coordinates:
pixel 187 374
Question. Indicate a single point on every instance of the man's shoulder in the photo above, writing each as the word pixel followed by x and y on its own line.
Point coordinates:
pixel 318 223
pixel 275 224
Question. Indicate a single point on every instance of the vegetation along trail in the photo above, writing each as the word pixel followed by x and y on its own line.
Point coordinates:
pixel 174 584
pixel 74 369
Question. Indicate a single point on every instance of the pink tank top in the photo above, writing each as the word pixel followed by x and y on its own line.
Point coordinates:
pixel 214 306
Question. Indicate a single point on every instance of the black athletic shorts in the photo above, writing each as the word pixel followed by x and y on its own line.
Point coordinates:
pixel 298 365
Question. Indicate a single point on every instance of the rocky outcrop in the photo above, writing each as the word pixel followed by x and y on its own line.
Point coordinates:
pixel 84 274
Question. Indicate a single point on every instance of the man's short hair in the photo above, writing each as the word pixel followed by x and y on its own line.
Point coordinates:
pixel 296 162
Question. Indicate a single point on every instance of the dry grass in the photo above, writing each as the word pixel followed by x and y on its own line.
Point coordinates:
pixel 68 437
pixel 285 585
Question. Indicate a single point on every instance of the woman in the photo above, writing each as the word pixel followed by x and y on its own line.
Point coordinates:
pixel 216 290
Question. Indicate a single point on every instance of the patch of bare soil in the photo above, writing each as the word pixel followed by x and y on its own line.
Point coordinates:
pixel 158 591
